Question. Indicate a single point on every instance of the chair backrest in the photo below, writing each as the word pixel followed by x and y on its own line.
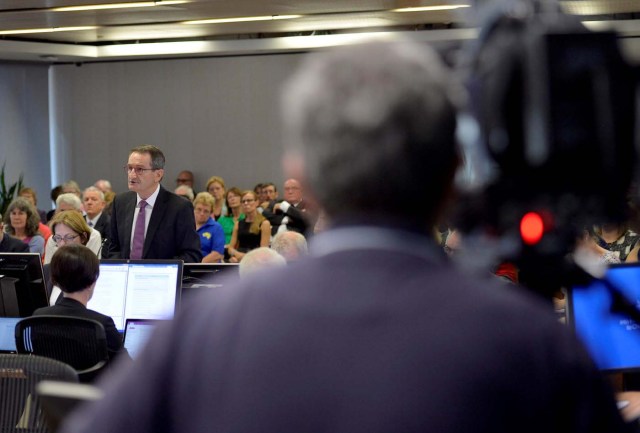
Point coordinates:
pixel 20 406
pixel 79 342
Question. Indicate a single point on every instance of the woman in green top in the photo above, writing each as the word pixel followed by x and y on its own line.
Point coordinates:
pixel 227 221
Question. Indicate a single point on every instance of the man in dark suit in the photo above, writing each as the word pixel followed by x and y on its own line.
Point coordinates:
pixel 93 201
pixel 377 331
pixel 167 229
pixel 10 244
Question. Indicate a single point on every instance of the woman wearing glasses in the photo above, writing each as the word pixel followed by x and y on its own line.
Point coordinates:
pixel 211 233
pixel 252 232
pixel 68 227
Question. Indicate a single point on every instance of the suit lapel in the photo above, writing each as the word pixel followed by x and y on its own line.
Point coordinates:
pixel 157 214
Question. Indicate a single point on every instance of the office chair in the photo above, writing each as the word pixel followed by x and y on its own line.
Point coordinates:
pixel 79 342
pixel 20 405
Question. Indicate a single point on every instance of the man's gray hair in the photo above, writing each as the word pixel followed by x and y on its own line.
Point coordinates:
pixel 185 190
pixel 157 157
pixel 375 126
pixel 72 185
pixel 94 189
pixel 104 182
pixel 70 199
pixel 260 258
pixel 290 245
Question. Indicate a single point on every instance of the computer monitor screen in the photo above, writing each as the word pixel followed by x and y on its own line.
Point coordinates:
pixel 22 286
pixel 137 289
pixel 612 339
pixel 200 277
pixel 8 334
pixel 136 334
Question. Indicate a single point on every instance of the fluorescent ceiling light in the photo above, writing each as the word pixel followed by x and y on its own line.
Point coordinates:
pixel 243 19
pixel 430 8
pixel 46 30
pixel 117 5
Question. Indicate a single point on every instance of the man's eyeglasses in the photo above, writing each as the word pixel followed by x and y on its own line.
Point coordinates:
pixel 137 170
pixel 66 238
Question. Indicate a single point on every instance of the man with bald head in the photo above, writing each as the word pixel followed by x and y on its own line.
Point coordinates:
pixel 294 213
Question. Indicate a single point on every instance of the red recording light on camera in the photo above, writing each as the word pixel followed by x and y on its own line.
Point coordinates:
pixel 531 228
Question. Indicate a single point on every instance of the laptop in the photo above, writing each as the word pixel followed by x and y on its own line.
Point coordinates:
pixel 136 334
pixel 8 334
pixel 611 338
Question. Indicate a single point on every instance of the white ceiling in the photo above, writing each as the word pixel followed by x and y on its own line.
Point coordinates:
pixel 160 31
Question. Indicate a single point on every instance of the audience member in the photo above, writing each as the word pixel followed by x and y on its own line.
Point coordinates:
pixel 290 245
pixel 260 259
pixel 68 201
pixel 234 214
pixel 71 186
pixel 30 194
pixel 215 187
pixel 103 185
pixel 185 192
pixel 258 190
pixel 615 243
pixel 55 192
pixel 96 217
pixel 75 270
pixel 269 197
pixel 211 233
pixel 108 199
pixel 9 244
pixel 69 227
pixel 376 332
pixel 252 232
pixel 293 213
pixel 270 191
pixel 185 178
pixel 149 222
pixel 22 222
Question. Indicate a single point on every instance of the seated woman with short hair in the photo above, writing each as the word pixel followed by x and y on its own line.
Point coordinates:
pixel 75 269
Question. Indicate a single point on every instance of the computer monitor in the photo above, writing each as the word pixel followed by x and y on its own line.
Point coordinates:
pixel 200 277
pixel 141 289
pixel 612 339
pixel 136 334
pixel 22 286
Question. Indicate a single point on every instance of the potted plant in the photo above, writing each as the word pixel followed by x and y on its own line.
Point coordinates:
pixel 7 194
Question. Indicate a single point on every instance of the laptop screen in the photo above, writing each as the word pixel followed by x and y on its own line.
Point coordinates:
pixel 8 334
pixel 137 289
pixel 612 339
pixel 136 334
